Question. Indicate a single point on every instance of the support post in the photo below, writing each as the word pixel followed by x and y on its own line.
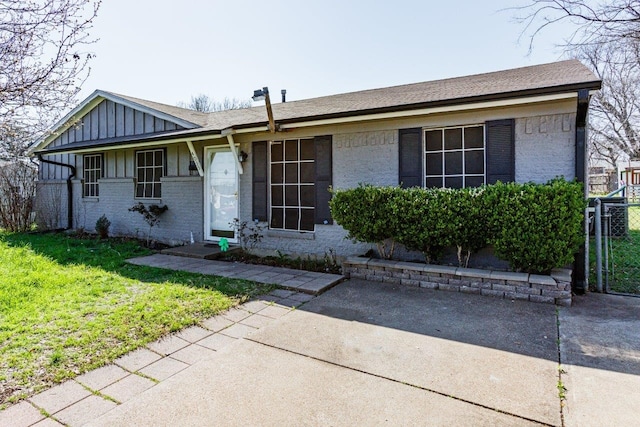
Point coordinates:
pixel 598 232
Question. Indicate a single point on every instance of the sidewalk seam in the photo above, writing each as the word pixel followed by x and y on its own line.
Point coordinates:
pixel 403 383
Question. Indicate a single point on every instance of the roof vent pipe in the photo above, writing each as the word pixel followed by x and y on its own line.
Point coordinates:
pixel 284 95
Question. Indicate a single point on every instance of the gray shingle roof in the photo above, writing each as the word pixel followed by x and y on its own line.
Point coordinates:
pixel 537 79
pixel 557 77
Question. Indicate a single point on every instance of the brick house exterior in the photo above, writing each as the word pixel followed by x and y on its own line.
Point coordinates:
pixel 112 151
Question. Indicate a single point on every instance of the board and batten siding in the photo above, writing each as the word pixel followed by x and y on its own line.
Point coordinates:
pixel 106 120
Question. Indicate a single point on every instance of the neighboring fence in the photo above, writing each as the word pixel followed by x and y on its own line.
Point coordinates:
pixel 616 245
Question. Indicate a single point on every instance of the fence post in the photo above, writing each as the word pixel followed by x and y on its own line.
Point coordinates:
pixel 598 233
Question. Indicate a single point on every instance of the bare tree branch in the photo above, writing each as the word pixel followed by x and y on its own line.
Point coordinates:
pixel 206 104
pixel 43 61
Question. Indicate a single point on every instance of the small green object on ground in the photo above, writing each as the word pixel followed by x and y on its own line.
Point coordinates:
pixel 224 244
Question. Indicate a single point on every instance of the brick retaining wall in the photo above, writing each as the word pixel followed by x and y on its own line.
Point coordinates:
pixel 552 289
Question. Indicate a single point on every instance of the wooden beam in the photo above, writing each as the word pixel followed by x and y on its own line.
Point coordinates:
pixel 195 158
pixel 234 151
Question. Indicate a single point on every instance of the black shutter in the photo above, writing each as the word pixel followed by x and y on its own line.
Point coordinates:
pixel 323 180
pixel 259 176
pixel 410 167
pixel 500 151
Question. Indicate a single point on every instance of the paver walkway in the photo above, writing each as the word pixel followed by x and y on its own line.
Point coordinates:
pixel 85 398
pixel 298 280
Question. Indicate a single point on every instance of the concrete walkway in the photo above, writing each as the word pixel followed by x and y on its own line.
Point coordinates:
pixel 367 353
pixel 93 394
pixel 298 280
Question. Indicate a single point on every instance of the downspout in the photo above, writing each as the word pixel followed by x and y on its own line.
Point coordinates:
pixel 580 268
pixel 69 188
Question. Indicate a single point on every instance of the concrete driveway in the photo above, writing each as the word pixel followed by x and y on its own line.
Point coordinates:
pixel 374 354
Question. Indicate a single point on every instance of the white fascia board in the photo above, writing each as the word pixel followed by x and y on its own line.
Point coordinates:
pixel 433 110
pixel 67 121
pixel 87 105
pixel 143 144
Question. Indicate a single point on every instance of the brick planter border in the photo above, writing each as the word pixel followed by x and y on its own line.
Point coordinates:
pixel 552 289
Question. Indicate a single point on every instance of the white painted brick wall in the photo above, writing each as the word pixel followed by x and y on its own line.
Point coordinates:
pixel 544 147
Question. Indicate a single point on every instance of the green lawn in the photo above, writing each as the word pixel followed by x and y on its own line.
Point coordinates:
pixel 68 305
pixel 624 265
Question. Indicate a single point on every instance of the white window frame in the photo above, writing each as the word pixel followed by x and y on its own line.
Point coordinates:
pixel 90 187
pixel 299 185
pixel 463 150
pixel 153 183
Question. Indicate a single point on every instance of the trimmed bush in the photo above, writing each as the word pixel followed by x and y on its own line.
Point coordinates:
pixel 534 227
pixel 537 227
pixel 366 212
pixel 423 220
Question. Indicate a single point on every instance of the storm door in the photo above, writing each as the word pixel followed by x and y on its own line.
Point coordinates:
pixel 221 193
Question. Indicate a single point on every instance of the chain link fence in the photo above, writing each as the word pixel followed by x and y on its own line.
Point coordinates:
pixel 617 246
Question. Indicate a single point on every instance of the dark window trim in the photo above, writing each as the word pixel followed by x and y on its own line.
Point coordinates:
pixel 84 183
pixel 463 150
pixel 164 171
pixel 270 185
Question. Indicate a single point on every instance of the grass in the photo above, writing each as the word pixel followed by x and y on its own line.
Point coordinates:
pixel 69 305
pixel 624 262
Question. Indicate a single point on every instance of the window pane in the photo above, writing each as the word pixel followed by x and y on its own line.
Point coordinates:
pixel 474 181
pixel 307 219
pixel 434 140
pixel 434 164
pixel 307 196
pixel 453 163
pixel 291 219
pixel 307 151
pixel 148 175
pixel 159 173
pixel 157 190
pixel 291 150
pixel 434 182
pixel 96 191
pixel 453 139
pixel 158 160
pixel 453 182
pixel 291 173
pixel 276 195
pixel 276 173
pixel 140 158
pixel 276 152
pixel 276 218
pixel 291 195
pixel 307 172
pixel 474 137
pixel 139 190
pixel 148 190
pixel 474 162
pixel 148 160
pixel 140 175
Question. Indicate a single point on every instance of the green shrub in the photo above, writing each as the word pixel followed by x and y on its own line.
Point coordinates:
pixel 534 227
pixel 466 226
pixel 102 226
pixel 366 213
pixel 537 227
pixel 422 219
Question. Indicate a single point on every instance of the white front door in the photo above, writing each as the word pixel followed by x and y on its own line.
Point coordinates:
pixel 221 193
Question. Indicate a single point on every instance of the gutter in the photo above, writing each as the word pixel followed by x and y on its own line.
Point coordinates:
pixel 69 188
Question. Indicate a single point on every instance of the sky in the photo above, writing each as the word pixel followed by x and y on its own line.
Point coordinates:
pixel 167 51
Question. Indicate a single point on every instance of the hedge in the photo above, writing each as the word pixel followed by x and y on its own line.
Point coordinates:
pixel 535 227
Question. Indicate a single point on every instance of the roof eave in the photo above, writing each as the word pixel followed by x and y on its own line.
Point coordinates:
pixel 87 105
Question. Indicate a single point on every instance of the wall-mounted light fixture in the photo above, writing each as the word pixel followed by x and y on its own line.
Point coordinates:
pixel 259 95
pixel 193 169
pixel 242 156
